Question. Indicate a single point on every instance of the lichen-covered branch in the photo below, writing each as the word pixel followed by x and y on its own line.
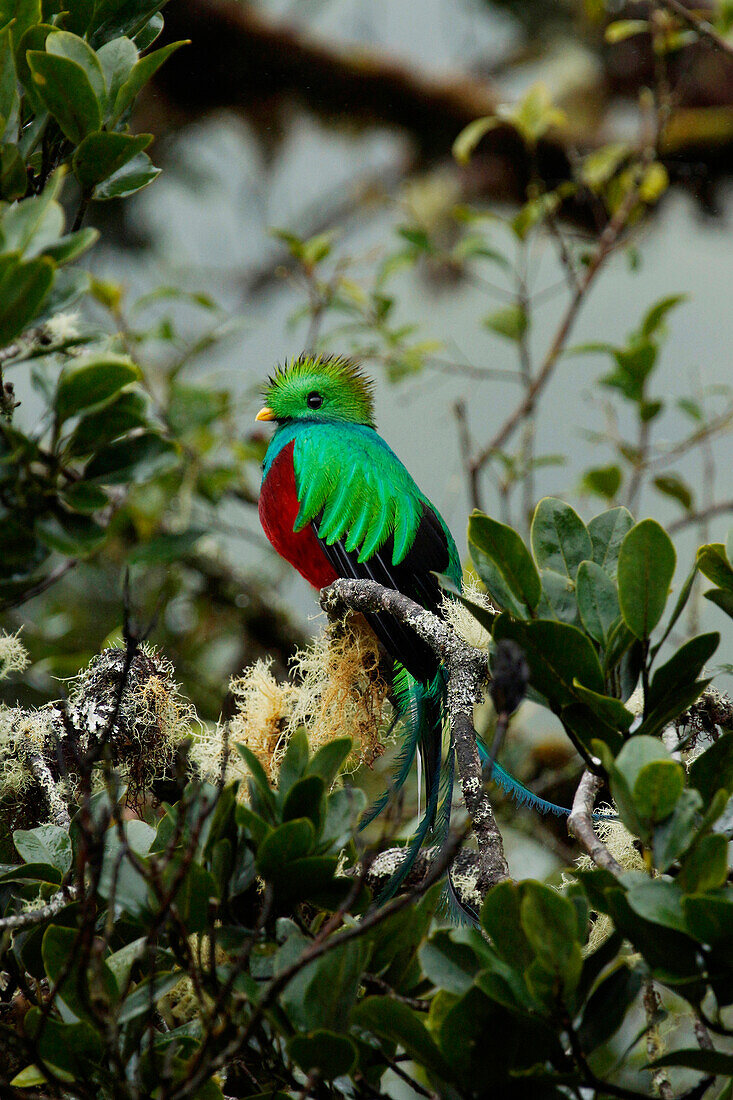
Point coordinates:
pixel 467 670
pixel 580 824
pixel 40 913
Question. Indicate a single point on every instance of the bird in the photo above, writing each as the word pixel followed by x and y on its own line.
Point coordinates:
pixel 336 501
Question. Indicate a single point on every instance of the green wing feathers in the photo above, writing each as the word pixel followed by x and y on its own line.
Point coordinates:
pixel 360 489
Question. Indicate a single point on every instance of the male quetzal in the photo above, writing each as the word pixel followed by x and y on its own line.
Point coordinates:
pixel 337 502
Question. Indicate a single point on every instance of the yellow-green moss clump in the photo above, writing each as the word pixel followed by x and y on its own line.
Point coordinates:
pixel 336 690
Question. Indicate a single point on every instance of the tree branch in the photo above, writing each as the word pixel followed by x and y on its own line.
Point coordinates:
pixel 580 824
pixel 38 915
pixel 467 670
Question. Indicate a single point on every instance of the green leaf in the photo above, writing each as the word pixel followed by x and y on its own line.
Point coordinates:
pixel 679 607
pixel 305 799
pixel 92 384
pixel 146 994
pixel 87 499
pixel 582 722
pixel 710 917
pixel 511 322
pixel 291 841
pixel 113 18
pixel 69 533
pixel 599 167
pixel 141 73
pixel 32 38
pixel 471 135
pixel 71 246
pixel 447 964
pixel 671 485
pixel 500 917
pixel 392 1020
pixel 675 703
pixel 323 993
pixel 32 1075
pixel 645 568
pixel 722 598
pixel 683 667
pixel 712 561
pixel 550 924
pixel 327 762
pixel 558 598
pixel 313 880
pixel 558 655
pixel 57 946
pixel 44 844
pixel 127 180
pixel 657 900
pixel 136 460
pixel 658 786
pixel 712 1062
pixel 72 1048
pixel 117 418
pixel 706 866
pixel 608 1005
pixel 100 155
pixel 13 172
pixel 607 531
pixel 70 46
pixel 676 835
pixel 636 754
pixel 654 318
pixel 534 114
pixel 9 99
pixel 143 40
pixel 597 600
pixel 713 769
pixel 166 548
pixel 604 481
pixel 259 778
pixel 117 58
pixel 119 873
pixel 560 539
pixel 487 538
pixel 23 289
pixel 606 707
pixel 67 93
pixel 294 761
pixel 323 1052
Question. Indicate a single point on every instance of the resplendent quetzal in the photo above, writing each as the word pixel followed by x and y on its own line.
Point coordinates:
pixel 337 502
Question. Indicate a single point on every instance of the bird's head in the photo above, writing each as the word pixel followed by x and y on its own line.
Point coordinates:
pixel 315 388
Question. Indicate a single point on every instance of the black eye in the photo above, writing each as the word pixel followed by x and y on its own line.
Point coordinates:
pixel 314 400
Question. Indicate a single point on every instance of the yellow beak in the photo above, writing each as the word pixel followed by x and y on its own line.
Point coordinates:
pixel 265 414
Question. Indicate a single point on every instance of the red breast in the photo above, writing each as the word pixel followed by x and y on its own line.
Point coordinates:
pixel 278 509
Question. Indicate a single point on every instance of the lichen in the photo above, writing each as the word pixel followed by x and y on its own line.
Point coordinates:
pixel 13 657
pixel 623 847
pixel 341 691
pixel 466 625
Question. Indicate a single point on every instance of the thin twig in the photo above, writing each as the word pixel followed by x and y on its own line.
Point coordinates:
pixel 700 516
pixel 661 1084
pixel 40 586
pixel 699 25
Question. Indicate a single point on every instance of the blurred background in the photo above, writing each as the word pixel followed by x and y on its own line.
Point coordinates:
pixel 311 197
